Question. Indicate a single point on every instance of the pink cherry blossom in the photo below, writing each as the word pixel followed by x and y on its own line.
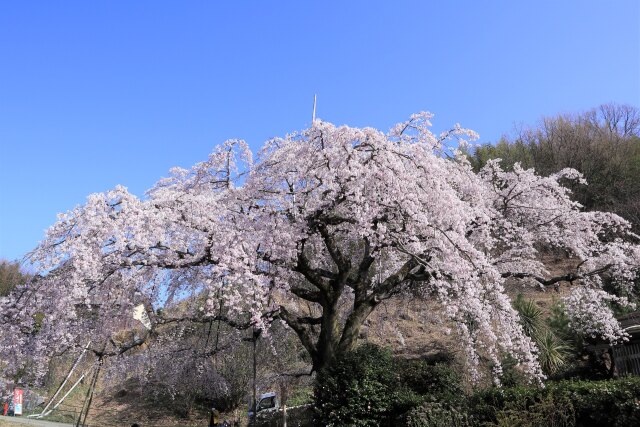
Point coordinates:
pixel 316 230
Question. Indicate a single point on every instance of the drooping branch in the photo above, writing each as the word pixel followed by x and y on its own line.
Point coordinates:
pixel 302 331
pixel 568 277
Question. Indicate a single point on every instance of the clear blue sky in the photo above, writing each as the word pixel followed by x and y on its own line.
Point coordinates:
pixel 94 94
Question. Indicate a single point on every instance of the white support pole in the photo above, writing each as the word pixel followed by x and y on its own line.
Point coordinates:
pixel 65 395
pixel 75 365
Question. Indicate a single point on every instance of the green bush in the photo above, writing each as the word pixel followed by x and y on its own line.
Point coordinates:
pixel 609 402
pixel 562 403
pixel 548 412
pixel 438 381
pixel 369 387
pixel 363 388
pixel 437 414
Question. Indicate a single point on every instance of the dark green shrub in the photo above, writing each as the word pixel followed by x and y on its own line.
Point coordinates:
pixel 368 386
pixel 363 388
pixel 608 402
pixel 562 403
pixel 548 412
pixel 486 404
pixel 511 375
pixel 439 381
pixel 437 414
pixel 358 389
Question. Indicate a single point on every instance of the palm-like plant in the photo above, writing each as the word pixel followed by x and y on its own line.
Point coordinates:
pixel 531 316
pixel 553 351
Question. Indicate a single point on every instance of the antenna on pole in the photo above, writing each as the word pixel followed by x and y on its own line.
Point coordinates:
pixel 313 117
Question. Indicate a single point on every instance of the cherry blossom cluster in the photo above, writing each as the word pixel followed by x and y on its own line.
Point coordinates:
pixel 590 314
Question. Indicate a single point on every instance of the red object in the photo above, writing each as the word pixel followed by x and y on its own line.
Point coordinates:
pixel 5 408
pixel 17 401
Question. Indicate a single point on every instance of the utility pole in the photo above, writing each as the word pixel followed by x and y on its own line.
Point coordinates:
pixel 255 372
pixel 255 335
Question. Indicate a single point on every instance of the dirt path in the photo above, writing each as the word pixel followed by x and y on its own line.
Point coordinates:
pixel 14 421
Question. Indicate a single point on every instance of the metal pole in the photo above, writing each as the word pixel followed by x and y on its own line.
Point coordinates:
pixel 255 383
pixel 284 415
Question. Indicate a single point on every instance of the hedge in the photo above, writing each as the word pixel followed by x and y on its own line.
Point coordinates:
pixel 614 402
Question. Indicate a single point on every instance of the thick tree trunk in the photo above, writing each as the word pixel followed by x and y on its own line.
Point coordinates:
pixel 327 340
pixel 335 340
pixel 354 323
pixel 326 287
